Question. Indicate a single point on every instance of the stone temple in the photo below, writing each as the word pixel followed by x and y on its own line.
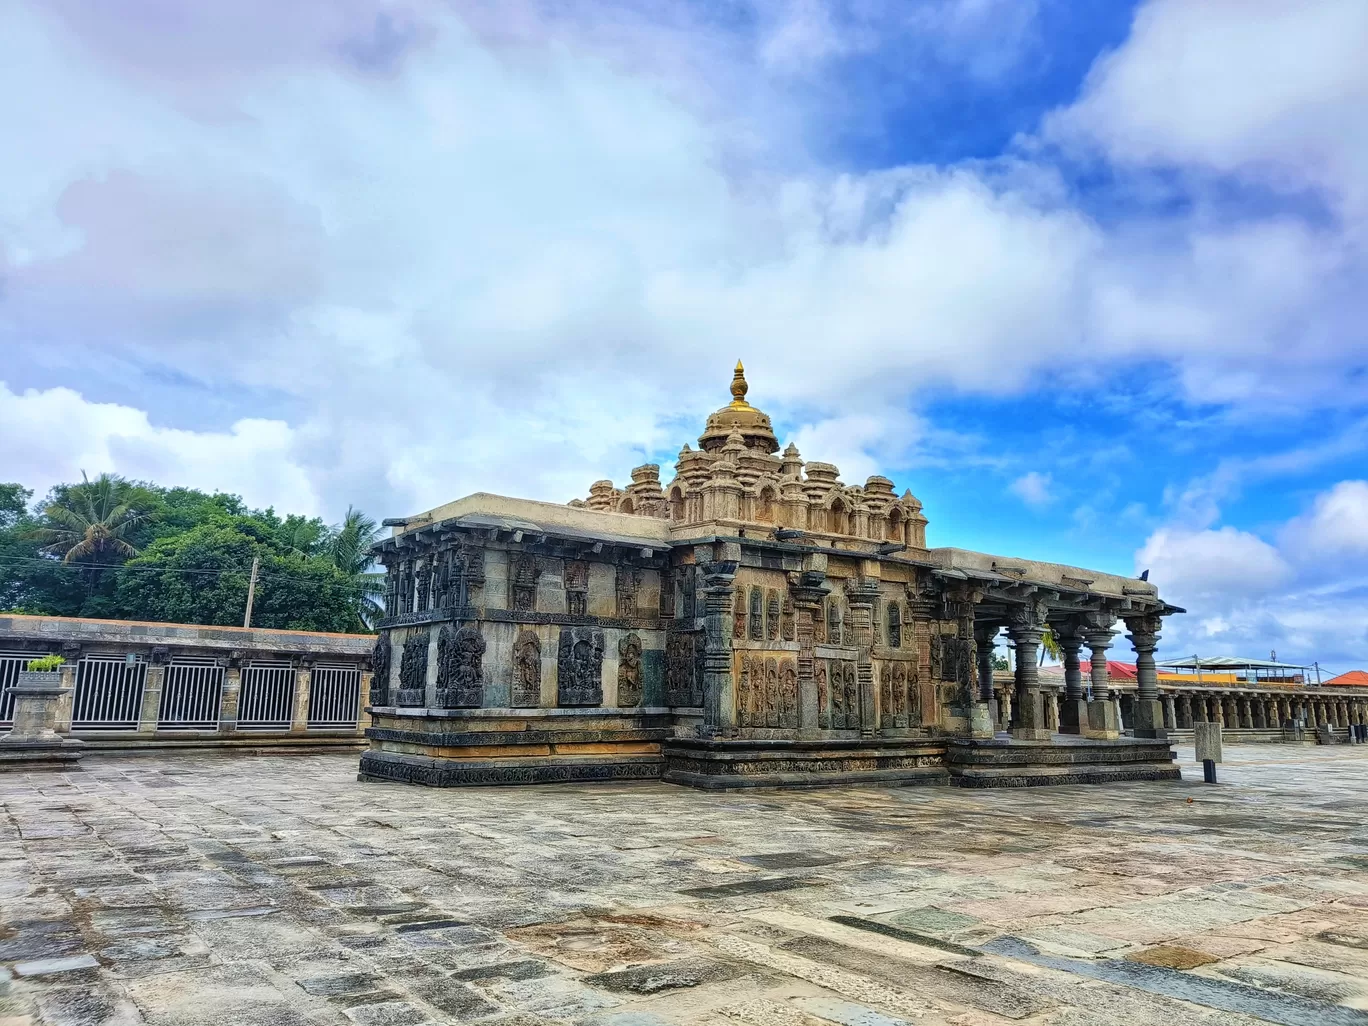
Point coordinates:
pixel 754 622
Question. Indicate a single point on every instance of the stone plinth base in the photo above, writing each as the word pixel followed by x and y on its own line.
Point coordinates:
pixel 1064 760
pixel 1028 716
pixel 464 747
pixel 1149 719
pixel 982 722
pixel 63 754
pixel 1073 715
pixel 1102 724
pixel 716 765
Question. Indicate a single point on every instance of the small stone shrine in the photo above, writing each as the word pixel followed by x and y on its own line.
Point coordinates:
pixel 755 622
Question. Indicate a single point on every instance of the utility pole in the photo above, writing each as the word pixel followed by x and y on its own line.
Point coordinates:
pixel 1317 666
pixel 251 592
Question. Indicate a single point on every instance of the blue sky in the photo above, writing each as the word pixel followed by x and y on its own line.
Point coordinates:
pixel 1088 278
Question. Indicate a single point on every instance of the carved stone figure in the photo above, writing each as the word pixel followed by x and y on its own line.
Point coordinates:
pixel 838 713
pixel 576 587
pixel 852 695
pixel 629 670
pixel 690 592
pixel 819 672
pixel 894 625
pixel 680 671
pixel 739 615
pixel 757 615
pixel 788 619
pixel 424 584
pixel 380 671
pixel 771 693
pixel 413 663
pixel 627 583
pixel 900 695
pixel 886 699
pixel 667 595
pixel 788 683
pixel 579 666
pixel 743 692
pixel 524 584
pixel 460 667
pixel 527 670
pixel 772 617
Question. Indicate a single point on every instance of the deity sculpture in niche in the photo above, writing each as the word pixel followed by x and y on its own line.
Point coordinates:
pixel 460 667
pixel 524 584
pixel 755 706
pixel 627 583
pixel 739 615
pixel 679 669
pixel 380 671
pixel 900 694
pixel 886 699
pixel 894 625
pixel 852 694
pixel 837 696
pixel 833 622
pixel 788 620
pixel 423 583
pixel 819 672
pixel 690 590
pixel 757 615
pixel 629 670
pixel 743 692
pixel 526 691
pixel 667 595
pixel 576 587
pixel 788 685
pixel 413 662
pixel 579 666
pixel 772 616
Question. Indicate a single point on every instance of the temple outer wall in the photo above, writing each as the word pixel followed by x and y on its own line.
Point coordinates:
pixel 206 665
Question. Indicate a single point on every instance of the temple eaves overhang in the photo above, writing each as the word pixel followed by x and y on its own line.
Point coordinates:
pixel 531 519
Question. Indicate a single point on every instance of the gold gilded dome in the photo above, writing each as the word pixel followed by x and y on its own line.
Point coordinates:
pixel 739 415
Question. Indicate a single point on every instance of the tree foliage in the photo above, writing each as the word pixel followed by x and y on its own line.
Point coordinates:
pixel 135 550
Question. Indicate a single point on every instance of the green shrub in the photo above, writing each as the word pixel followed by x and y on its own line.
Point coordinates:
pixel 48 662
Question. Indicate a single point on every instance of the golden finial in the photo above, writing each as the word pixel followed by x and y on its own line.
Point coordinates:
pixel 739 386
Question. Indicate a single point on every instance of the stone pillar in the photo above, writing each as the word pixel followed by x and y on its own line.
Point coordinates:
pixel 719 689
pixel 984 716
pixel 1104 722
pixel 33 741
pixel 1073 710
pixel 232 691
pixel 1170 712
pixel 153 683
pixel 807 589
pixel 1246 721
pixel 1144 638
pixel 862 598
pixel 1025 627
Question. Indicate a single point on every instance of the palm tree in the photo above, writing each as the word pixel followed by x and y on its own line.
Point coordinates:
pixel 1049 645
pixel 350 552
pixel 90 520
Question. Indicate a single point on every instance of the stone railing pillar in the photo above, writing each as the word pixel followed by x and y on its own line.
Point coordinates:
pixel 1073 708
pixel 299 715
pixel 985 715
pixel 232 690
pixel 1144 638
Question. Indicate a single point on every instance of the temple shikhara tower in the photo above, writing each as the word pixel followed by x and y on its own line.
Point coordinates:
pixel 755 621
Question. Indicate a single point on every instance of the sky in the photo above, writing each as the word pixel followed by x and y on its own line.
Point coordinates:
pixel 1088 278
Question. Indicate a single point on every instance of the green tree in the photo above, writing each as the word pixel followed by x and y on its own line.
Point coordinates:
pixel 1049 646
pixel 201 576
pixel 350 552
pixel 31 582
pixel 90 521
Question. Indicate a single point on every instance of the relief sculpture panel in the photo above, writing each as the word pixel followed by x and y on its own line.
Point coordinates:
pixel 380 671
pixel 629 671
pixel 579 666
pixel 526 690
pixel 413 662
pixel 460 667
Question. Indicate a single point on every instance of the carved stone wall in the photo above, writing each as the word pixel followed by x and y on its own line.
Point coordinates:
pixel 576 587
pixel 526 690
pixel 839 708
pixel 683 685
pixel 579 666
pixel 523 584
pixel 380 671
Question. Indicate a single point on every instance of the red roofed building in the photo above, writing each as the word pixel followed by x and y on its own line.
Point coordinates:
pixel 1352 679
pixel 1115 670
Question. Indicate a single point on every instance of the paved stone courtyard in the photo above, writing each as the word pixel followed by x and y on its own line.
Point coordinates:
pixel 277 890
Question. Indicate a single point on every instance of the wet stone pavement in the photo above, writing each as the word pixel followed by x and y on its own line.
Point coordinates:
pixel 278 890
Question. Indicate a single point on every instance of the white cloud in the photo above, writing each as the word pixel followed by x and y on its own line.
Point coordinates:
pixel 1033 488
pixel 1261 87
pixel 520 266
pixel 54 435
pixel 1303 597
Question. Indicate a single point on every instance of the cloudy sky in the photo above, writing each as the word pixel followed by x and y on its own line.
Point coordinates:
pixel 1089 278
